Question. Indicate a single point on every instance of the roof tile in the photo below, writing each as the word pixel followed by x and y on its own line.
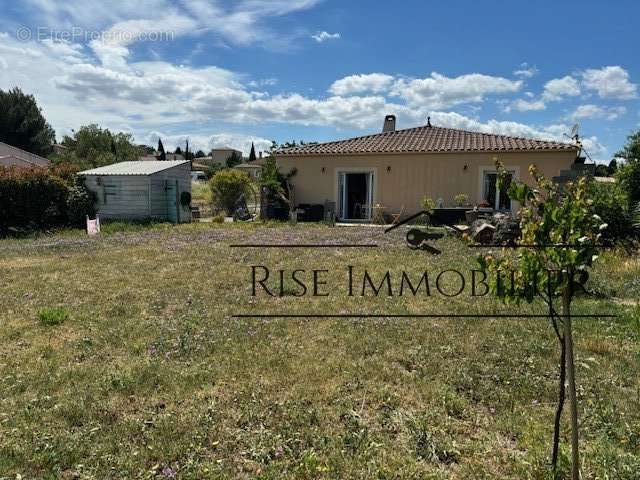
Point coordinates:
pixel 427 139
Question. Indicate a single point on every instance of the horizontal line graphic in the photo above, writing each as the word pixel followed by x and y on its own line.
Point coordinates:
pixel 308 245
pixel 554 245
pixel 435 315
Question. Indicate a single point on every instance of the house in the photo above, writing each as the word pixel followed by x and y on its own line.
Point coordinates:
pixel 59 149
pixel 142 190
pixel 16 157
pixel 253 169
pixel 218 157
pixel 397 169
pixel 156 156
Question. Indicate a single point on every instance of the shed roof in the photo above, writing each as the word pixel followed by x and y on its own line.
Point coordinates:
pixel 135 168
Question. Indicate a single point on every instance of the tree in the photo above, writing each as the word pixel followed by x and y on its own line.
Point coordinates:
pixel 602 170
pixel 92 146
pixel 629 174
pixel 163 154
pixel 252 153
pixel 200 154
pixel 234 159
pixel 22 124
pixel 187 154
pixel 613 167
pixel 227 188
pixel 114 150
pixel 277 185
pixel 146 149
pixel 178 151
pixel 559 237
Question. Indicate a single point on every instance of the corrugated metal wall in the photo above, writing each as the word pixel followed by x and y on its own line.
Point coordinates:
pixel 138 197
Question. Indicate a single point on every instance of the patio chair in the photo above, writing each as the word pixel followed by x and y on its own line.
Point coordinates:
pixel 395 217
pixel 330 213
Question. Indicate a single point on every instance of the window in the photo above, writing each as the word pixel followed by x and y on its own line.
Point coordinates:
pixel 497 198
pixel 110 191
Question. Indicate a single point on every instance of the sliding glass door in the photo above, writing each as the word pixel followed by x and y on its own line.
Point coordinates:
pixel 355 195
pixel 495 196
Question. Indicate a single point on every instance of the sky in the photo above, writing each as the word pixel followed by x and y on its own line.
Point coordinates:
pixel 229 73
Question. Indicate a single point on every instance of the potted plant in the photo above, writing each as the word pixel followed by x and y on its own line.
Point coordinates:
pixel 461 199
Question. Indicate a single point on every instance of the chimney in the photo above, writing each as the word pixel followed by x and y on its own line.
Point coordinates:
pixel 389 124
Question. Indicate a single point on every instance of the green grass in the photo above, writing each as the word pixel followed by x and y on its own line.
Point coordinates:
pixel 201 192
pixel 52 316
pixel 149 375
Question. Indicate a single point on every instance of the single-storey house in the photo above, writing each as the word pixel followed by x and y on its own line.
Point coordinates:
pixel 397 169
pixel 253 169
pixel 218 157
pixel 142 190
pixel 16 157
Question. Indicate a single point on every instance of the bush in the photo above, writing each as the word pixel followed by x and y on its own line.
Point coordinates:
pixel 227 186
pixel 81 202
pixel 37 199
pixel 31 199
pixel 628 175
pixel 611 203
pixel 461 199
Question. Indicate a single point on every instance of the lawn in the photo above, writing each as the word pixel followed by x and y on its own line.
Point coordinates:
pixel 121 358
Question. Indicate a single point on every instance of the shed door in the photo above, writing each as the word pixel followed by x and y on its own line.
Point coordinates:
pixel 171 192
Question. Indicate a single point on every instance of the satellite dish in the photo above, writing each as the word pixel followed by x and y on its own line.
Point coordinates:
pixel 574 131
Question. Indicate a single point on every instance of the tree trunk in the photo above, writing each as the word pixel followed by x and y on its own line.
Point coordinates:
pixel 561 395
pixel 571 380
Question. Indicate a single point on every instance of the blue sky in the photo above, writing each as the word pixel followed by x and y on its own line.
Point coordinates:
pixel 229 73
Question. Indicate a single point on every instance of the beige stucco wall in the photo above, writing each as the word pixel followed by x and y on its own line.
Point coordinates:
pixel 412 176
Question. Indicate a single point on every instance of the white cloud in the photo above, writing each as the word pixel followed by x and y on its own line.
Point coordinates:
pixel 324 36
pixel 558 88
pixel 595 111
pixel 526 70
pixel 610 82
pixel 521 105
pixel 370 82
pixel 241 22
pixel 158 96
pixel 439 91
pixel 546 132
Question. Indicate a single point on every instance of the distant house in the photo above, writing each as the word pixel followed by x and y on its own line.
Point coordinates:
pixel 253 169
pixel 218 157
pixel 16 157
pixel 156 156
pixel 59 149
pixel 142 190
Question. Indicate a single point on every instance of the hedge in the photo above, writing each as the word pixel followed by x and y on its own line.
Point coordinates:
pixel 38 199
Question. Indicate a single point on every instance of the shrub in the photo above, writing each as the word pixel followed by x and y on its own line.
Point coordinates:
pixel 611 203
pixel 461 199
pixel 428 204
pixel 36 199
pixel 53 316
pixel 31 199
pixel 227 186
pixel 628 175
pixel 81 202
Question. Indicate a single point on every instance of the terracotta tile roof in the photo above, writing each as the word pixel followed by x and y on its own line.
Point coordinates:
pixel 427 139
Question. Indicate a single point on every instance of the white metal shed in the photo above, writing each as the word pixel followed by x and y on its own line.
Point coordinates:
pixel 142 190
